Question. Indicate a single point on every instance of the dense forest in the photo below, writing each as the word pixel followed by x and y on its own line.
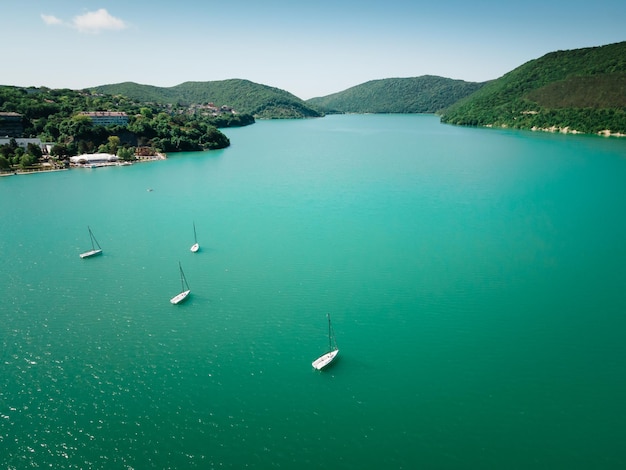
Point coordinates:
pixel 260 101
pixel 582 90
pixel 426 94
pixel 54 116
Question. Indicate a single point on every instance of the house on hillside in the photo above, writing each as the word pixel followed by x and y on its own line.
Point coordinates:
pixel 24 143
pixel 11 125
pixel 107 118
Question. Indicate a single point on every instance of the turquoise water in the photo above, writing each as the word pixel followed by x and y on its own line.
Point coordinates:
pixel 476 279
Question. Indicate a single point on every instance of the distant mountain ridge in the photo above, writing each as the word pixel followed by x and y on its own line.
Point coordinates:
pixel 425 94
pixel 260 101
pixel 579 90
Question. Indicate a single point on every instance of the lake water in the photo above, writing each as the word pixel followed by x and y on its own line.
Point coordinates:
pixel 476 280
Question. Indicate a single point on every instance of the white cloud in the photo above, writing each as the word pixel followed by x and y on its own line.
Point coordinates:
pixel 96 21
pixel 50 19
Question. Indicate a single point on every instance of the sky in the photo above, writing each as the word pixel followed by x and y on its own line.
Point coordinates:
pixel 309 49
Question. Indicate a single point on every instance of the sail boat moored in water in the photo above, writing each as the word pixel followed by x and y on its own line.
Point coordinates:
pixel 326 359
pixel 184 288
pixel 196 246
pixel 94 243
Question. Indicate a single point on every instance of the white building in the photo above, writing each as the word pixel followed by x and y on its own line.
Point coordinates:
pixel 93 158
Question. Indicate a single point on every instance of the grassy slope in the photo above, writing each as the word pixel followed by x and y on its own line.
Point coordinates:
pixel 582 89
pixel 426 94
pixel 243 95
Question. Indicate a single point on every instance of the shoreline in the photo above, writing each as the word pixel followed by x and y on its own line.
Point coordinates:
pixel 568 130
pixel 557 130
pixel 45 169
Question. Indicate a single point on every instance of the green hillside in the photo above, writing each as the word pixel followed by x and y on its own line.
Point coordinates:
pixel 57 116
pixel 244 96
pixel 426 94
pixel 582 90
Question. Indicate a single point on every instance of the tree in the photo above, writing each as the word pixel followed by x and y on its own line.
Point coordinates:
pixel 34 150
pixel 216 139
pixel 4 163
pixel 6 151
pixel 58 150
pixel 26 161
pixel 146 112
pixel 126 153
pixel 113 145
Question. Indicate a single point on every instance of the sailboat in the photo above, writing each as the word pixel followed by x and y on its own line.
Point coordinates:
pixel 195 247
pixel 94 243
pixel 326 359
pixel 184 288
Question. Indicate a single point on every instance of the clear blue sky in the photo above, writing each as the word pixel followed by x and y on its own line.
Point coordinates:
pixel 307 48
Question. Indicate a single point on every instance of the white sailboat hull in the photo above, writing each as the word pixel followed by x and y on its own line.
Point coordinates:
pixel 89 253
pixel 195 247
pixel 325 360
pixel 180 297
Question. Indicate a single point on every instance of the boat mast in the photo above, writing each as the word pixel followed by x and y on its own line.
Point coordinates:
pixel 93 239
pixel 182 277
pixel 195 238
pixel 330 345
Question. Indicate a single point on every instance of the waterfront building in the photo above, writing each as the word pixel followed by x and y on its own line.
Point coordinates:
pixel 107 118
pixel 11 124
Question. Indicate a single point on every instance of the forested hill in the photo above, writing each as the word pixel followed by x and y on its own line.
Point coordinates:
pixel 426 94
pixel 581 90
pixel 244 96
